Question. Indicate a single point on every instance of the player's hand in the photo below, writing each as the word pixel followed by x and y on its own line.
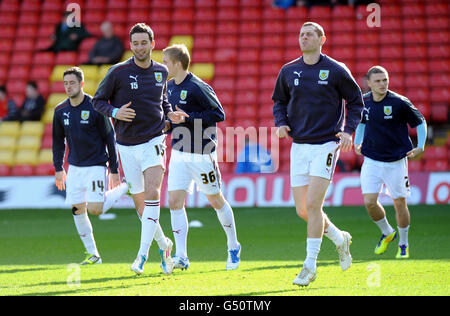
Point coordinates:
pixel 346 141
pixel 177 116
pixel 125 113
pixel 60 180
pixel 414 153
pixel 114 180
pixel 358 149
pixel 167 126
pixel 283 131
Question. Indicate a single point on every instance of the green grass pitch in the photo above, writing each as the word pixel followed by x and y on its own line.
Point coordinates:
pixel 38 249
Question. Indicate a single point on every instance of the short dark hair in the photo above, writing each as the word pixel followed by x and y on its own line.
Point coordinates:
pixel 3 88
pixel 32 84
pixel 376 70
pixel 142 28
pixel 75 71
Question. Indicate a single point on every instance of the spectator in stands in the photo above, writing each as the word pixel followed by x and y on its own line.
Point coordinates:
pixel 8 108
pixel 254 158
pixel 33 106
pixel 67 37
pixel 108 49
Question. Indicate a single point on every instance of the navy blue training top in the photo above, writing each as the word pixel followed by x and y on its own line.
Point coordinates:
pixel 386 136
pixel 87 133
pixel 310 100
pixel 195 97
pixel 146 89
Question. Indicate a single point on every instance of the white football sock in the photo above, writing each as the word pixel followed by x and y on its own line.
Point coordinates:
pixel 112 196
pixel 149 224
pixel 312 252
pixel 384 226
pixel 180 228
pixel 403 233
pixel 84 228
pixel 226 218
pixel 334 234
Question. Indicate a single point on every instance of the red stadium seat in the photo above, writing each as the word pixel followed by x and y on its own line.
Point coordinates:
pixel 439 51
pixel 438 37
pixel 21 58
pixel 272 55
pixel 392 24
pixel 415 51
pixel 437 23
pixel 5 170
pixel 414 37
pixel 6 45
pixel 28 17
pixel 3 73
pixel 16 86
pixel 247 83
pixel 116 16
pixel 272 13
pixel 95 5
pixel 204 41
pixel 297 13
pixel 248 55
pixel 436 8
pixel 47 141
pixel 249 69
pixel 342 39
pixel 204 28
pixel 183 4
pixel 20 72
pixel 417 81
pixel 275 27
pixel 439 113
pixel 416 65
pixel 391 51
pixel 226 41
pixel 246 97
pixel 250 41
pixel 30 5
pixel 227 14
pixel 250 13
pixel 227 3
pixel 202 55
pixel 439 79
pixel 52 6
pixel 250 27
pixel 223 83
pixel 392 66
pixel 364 52
pixel 225 69
pixel 413 9
pixel 227 27
pixel 343 11
pixel 435 165
pixel 161 15
pixel 267 82
pixel 8 31
pixel 343 25
pixel 415 165
pixel 205 4
pixel 367 38
pixel 435 152
pixel 205 14
pixel 440 95
pixel 22 170
pixel 117 4
pixel 424 108
pixel 46 169
pixel 42 58
pixel 319 13
pixel 390 9
pixel 417 94
pixel 439 65
pixel 184 15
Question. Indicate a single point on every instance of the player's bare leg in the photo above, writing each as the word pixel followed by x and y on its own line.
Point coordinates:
pixel 151 228
pixel 341 239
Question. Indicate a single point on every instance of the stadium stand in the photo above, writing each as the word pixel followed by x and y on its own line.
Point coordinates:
pixel 236 46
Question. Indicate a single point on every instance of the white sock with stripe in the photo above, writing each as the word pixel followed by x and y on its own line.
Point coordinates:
pixel 180 228
pixel 84 228
pixel 149 225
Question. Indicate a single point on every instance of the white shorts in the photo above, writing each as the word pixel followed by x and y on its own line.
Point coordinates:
pixel 185 169
pixel 85 184
pixel 136 159
pixel 312 160
pixel 394 175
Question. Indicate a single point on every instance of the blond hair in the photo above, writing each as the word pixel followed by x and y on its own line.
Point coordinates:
pixel 178 52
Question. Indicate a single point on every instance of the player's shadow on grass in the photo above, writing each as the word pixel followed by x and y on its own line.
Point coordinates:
pixel 26 270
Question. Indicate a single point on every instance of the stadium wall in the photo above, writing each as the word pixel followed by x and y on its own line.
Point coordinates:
pixel 240 190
